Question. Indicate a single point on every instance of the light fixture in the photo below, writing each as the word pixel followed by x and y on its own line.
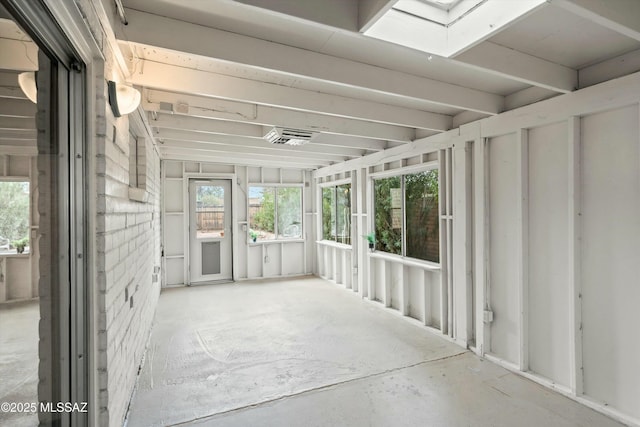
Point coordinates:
pixel 122 98
pixel 289 136
pixel 27 82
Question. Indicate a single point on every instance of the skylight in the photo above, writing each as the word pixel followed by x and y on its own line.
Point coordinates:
pixel 443 4
pixel 447 27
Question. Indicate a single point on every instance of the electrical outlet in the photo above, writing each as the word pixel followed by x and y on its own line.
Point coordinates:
pixel 266 259
pixel 487 316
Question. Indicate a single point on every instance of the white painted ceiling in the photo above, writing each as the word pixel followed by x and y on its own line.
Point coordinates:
pixel 216 75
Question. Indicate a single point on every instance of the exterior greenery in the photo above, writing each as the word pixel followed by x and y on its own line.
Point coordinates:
pixel 407 202
pixel 14 212
pixel 336 213
pixel 329 213
pixel 388 229
pixel 275 206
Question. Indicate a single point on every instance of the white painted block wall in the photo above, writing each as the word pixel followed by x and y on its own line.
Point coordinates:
pixel 127 252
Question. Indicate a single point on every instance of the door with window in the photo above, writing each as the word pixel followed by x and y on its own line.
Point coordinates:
pixel 210 239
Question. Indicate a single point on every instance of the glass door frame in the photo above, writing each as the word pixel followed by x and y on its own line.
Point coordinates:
pixel 230 219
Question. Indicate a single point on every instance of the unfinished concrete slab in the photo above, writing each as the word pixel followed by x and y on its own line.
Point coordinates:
pixel 306 352
pixel 19 359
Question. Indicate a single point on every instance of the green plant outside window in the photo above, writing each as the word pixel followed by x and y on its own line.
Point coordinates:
pixel 275 213
pixel 336 213
pixel 406 218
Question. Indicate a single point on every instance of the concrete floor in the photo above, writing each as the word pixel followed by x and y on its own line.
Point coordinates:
pixel 19 359
pixel 307 353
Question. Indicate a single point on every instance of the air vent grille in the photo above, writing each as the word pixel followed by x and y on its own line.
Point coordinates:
pixel 289 136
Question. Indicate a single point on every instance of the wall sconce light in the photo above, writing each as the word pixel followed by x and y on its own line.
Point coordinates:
pixel 27 82
pixel 122 98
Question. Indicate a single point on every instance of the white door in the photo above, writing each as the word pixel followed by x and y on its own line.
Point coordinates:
pixel 210 230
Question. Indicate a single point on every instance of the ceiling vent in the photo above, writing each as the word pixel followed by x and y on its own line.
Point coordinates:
pixel 289 136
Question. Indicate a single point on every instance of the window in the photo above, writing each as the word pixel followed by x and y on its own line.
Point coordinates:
pixel 210 211
pixel 336 213
pixel 137 167
pixel 406 215
pixel 14 217
pixel 275 213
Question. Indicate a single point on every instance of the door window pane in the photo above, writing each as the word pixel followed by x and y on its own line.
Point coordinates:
pixel 388 214
pixel 421 203
pixel 262 213
pixel 289 212
pixel 209 211
pixel 343 213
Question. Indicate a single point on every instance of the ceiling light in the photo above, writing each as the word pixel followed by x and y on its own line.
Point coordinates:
pixel 122 98
pixel 27 82
pixel 289 136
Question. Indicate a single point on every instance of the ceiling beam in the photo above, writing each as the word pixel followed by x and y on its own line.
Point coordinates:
pixel 164 129
pixel 622 16
pixel 266 151
pixel 222 109
pixel 369 11
pixel 610 69
pixel 264 55
pixel 198 156
pixel 9 87
pixel 19 108
pixel 334 13
pixel 510 63
pixel 197 124
pixel 19 55
pixel 173 78
pixel 311 148
pixel 17 123
pixel 8 148
pixel 528 96
pixel 19 135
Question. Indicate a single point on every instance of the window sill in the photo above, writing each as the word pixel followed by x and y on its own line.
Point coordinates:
pixel 332 244
pixel 410 262
pixel 14 254
pixel 275 241
pixel 138 195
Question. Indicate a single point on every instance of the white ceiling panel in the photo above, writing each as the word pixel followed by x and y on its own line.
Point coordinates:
pixel 559 36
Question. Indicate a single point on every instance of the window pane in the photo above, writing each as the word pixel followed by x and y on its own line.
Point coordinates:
pixel 14 217
pixel 328 214
pixel 421 193
pixel 343 213
pixel 262 213
pixel 388 215
pixel 209 211
pixel 289 212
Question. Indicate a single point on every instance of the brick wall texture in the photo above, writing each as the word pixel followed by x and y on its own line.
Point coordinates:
pixel 128 252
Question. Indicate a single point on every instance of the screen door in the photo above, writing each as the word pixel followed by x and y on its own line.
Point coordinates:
pixel 210 230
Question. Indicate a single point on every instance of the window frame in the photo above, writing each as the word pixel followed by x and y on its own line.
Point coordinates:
pixel 276 239
pixel 401 172
pixel 334 185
